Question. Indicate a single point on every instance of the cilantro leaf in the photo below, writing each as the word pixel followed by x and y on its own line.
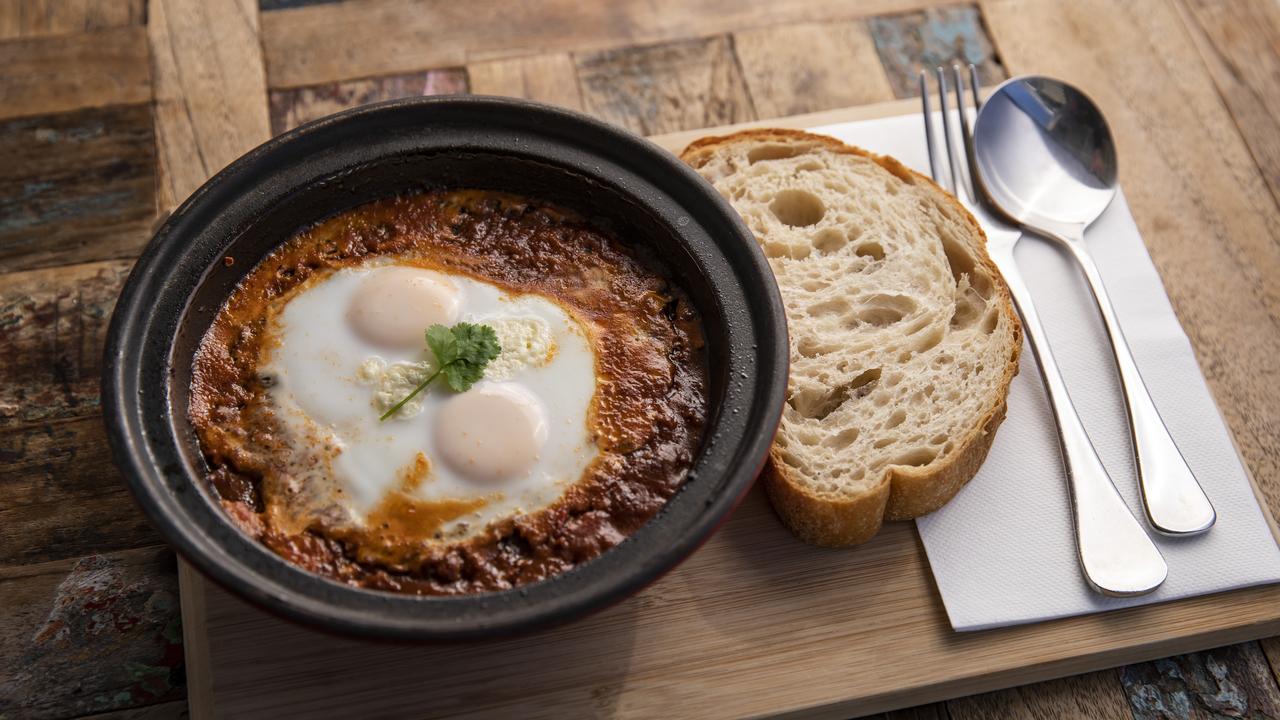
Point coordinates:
pixel 443 344
pixel 460 376
pixel 462 352
pixel 477 344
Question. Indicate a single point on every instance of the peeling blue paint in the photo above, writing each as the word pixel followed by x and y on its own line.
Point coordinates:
pixel 926 39
pixel 43 206
pixel 75 134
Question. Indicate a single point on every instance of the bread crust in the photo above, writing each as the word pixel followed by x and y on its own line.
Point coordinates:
pixel 904 492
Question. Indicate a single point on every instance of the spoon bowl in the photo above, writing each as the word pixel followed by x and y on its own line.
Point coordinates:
pixel 1045 152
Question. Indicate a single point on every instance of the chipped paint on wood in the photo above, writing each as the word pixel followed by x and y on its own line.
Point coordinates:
pixel 793 69
pixel 665 88
pixel 91 635
pixel 926 39
pixel 53 323
pixel 1229 682
pixel 294 106
pixel 76 186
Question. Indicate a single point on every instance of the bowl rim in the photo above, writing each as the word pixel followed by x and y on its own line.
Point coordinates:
pixel 143 446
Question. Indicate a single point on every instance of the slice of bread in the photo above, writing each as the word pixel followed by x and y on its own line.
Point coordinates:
pixel 903 336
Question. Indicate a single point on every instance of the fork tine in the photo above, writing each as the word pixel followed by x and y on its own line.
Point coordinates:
pixel 974 85
pixel 952 162
pixel 966 137
pixel 929 142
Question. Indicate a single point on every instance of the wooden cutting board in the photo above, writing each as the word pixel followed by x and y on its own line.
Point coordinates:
pixel 754 624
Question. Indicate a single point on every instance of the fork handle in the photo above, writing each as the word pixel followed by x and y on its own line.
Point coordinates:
pixel 1117 556
pixel 1174 502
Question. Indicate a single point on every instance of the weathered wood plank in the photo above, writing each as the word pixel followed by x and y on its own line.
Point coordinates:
pixel 936 711
pixel 76 187
pixel 175 710
pixel 550 78
pixel 1097 696
pixel 665 88
pixel 210 89
pixel 39 76
pixel 33 18
pixel 1233 682
pixel 913 41
pixel 804 68
pixel 1271 648
pixel 295 106
pixel 1240 44
pixel 61 496
pixel 286 4
pixel 1207 217
pixel 339 41
pixel 90 634
pixel 52 326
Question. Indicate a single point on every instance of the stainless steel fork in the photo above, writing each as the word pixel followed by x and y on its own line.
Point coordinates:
pixel 1116 555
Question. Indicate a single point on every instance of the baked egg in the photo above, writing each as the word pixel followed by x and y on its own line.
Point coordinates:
pixel 345 349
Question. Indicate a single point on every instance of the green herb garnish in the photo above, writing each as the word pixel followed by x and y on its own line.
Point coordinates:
pixel 462 352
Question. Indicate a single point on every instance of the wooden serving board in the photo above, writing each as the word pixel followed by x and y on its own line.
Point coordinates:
pixel 754 624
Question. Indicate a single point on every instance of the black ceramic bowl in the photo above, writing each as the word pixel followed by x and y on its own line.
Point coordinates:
pixel 334 164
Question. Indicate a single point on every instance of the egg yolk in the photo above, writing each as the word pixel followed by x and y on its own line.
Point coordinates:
pixel 393 306
pixel 492 432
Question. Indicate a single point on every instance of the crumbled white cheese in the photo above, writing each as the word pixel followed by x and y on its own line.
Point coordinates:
pixel 391 383
pixel 525 341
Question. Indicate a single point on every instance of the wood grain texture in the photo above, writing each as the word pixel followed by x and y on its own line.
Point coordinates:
pixel 76 187
pixel 677 141
pixel 195 635
pixel 1271 649
pixel 34 18
pixel 1232 682
pixel 733 632
pixel 294 106
pixel 46 75
pixel 61 496
pixel 936 711
pixel 668 87
pixel 91 634
pixel 793 69
pixel 1097 696
pixel 1208 218
pixel 53 323
pixel 210 89
pixel 1240 45
pixel 910 42
pixel 339 41
pixel 550 78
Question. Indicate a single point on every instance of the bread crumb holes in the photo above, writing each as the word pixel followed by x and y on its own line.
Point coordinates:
pixel 797 208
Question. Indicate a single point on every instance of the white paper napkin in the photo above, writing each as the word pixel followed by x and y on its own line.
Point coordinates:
pixel 1003 551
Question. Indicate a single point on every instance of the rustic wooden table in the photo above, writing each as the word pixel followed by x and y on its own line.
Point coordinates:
pixel 111 111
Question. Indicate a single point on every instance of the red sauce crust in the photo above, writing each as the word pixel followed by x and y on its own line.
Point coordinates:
pixel 647 414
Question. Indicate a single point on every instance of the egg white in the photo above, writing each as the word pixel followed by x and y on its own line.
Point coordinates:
pixel 328 387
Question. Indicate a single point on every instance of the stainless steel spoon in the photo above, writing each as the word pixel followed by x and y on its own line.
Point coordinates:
pixel 1046 160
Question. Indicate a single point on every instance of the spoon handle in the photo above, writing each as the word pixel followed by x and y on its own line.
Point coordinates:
pixel 1174 502
pixel 1116 554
